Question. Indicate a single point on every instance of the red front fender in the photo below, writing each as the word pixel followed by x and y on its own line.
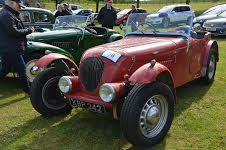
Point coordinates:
pixel 148 74
pixel 47 59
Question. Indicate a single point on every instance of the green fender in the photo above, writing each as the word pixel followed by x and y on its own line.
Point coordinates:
pixel 38 47
pixel 114 37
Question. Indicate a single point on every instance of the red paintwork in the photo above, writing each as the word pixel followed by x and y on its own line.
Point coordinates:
pixel 170 53
pixel 47 59
pixel 148 73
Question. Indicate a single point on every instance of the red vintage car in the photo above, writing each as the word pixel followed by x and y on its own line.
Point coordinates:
pixel 122 16
pixel 135 77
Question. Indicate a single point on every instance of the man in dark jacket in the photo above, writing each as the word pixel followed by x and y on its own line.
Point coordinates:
pixel 13 42
pixel 107 15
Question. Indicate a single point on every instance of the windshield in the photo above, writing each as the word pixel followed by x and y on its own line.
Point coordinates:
pixel 179 23
pixel 223 14
pixel 214 10
pixel 70 21
pixel 165 9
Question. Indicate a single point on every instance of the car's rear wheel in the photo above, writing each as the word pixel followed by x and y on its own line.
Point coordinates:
pixel 30 61
pixel 147 114
pixel 211 67
pixel 46 97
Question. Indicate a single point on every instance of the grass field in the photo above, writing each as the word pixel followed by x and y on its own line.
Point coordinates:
pixel 199 123
pixel 198 7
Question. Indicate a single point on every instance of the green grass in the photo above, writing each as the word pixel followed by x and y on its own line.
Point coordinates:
pixel 199 123
pixel 199 7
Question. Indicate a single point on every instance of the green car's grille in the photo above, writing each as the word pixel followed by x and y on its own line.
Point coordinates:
pixel 91 71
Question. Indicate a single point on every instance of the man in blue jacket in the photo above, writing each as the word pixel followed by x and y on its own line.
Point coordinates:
pixel 13 42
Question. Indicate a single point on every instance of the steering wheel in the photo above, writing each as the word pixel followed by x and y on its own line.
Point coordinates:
pixel 64 24
pixel 149 24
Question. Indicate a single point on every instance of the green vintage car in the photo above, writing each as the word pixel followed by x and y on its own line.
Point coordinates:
pixel 70 36
pixel 40 19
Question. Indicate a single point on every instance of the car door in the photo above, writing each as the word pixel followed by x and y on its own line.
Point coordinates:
pixel 174 16
pixel 196 49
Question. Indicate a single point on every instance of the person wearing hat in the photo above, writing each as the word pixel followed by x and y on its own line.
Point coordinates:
pixel 13 42
pixel 107 15
pixel 66 10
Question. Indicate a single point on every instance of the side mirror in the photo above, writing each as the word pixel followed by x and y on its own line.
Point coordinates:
pixel 197 27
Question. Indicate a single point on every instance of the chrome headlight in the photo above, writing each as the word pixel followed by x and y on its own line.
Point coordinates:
pixel 65 84
pixel 36 70
pixel 107 93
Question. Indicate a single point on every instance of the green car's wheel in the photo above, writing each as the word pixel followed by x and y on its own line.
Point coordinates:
pixel 147 114
pixel 30 61
pixel 46 97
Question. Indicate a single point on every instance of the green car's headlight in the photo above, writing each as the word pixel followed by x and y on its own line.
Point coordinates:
pixel 107 93
pixel 65 84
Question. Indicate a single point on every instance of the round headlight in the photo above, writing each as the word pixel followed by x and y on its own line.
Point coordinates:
pixel 107 93
pixel 65 84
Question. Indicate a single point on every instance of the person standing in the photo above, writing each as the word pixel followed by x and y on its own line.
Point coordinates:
pixel 107 15
pixel 134 17
pixel 66 10
pixel 13 42
pixel 59 11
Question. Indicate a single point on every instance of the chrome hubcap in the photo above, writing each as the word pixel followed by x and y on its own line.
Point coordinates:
pixel 153 116
pixel 29 66
pixel 211 67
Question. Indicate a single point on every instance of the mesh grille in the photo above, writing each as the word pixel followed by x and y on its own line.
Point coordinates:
pixel 91 71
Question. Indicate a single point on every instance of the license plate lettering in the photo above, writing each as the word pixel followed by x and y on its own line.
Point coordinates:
pixel 86 105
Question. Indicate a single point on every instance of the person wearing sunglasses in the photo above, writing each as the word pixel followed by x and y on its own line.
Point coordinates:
pixel 107 15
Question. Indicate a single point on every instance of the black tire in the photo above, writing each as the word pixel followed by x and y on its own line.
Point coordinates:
pixel 165 22
pixel 30 60
pixel 211 67
pixel 46 97
pixel 154 97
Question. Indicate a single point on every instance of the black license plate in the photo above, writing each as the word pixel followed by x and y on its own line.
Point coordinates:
pixel 89 106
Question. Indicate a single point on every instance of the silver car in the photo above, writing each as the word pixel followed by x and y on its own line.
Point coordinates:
pixel 165 21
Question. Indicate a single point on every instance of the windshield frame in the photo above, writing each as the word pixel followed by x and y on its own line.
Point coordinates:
pixel 84 21
pixel 159 33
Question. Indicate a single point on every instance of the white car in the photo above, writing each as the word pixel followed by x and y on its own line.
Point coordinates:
pixel 166 19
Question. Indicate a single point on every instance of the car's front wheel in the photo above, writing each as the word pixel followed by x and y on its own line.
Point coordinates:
pixel 46 97
pixel 147 114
